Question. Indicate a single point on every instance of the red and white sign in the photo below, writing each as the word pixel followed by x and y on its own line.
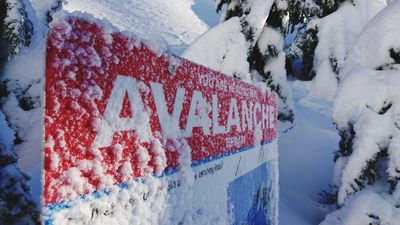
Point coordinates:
pixel 116 111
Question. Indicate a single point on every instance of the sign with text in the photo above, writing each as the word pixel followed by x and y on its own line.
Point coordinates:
pixel 118 111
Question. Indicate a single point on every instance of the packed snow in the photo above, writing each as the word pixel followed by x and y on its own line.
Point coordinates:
pixel 361 210
pixel 305 161
pixel 223 53
pixel 160 20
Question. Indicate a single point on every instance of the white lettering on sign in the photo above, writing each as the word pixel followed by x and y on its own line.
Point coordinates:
pixel 112 122
pixel 233 116
pixel 198 116
pixel 169 123
pixel 247 114
pixel 217 128
pixel 257 124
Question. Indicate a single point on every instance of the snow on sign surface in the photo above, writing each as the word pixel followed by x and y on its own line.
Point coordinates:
pixel 132 134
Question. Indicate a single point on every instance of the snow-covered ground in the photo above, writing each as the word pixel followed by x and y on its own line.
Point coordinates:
pixel 306 158
pixel 176 22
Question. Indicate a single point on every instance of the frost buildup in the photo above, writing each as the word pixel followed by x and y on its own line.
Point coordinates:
pixel 366 112
pixel 16 204
pixel 261 26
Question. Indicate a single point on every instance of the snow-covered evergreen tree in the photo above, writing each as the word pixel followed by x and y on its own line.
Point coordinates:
pixel 324 32
pixel 16 204
pixel 20 27
pixel 302 21
pixel 336 36
pixel 300 52
pixel 17 28
pixel 262 27
pixel 22 45
pixel 367 114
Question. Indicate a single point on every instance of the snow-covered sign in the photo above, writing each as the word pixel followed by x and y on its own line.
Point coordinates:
pixel 134 135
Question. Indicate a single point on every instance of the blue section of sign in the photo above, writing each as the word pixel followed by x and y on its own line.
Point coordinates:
pixel 51 209
pixel 248 197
